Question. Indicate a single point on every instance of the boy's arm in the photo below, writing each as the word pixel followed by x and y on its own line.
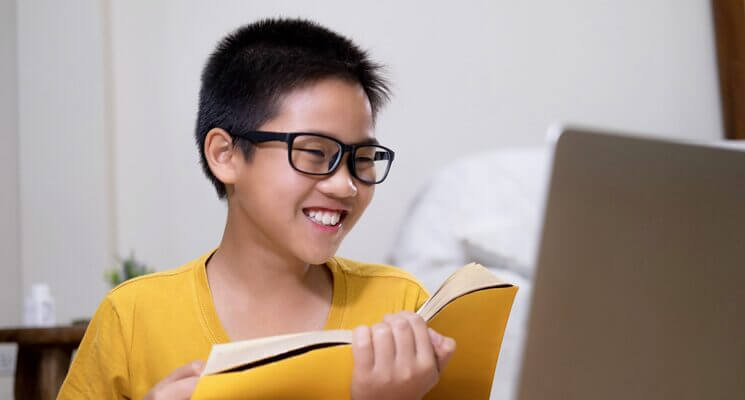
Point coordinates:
pixel 99 369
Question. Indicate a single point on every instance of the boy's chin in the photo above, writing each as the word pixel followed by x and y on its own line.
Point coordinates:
pixel 318 260
pixel 318 256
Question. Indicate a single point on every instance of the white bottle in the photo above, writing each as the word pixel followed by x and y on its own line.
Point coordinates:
pixel 39 307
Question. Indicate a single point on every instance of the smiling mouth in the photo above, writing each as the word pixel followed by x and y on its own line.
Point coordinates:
pixel 325 217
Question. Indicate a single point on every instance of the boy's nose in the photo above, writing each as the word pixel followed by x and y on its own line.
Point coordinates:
pixel 340 184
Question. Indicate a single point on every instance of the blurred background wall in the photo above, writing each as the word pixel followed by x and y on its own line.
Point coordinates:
pixel 10 282
pixel 99 97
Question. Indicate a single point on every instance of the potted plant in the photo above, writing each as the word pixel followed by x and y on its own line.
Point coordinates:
pixel 128 268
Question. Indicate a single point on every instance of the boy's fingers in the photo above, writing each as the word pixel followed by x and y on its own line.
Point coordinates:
pixel 435 337
pixel 444 348
pixel 403 336
pixel 424 351
pixel 181 389
pixel 191 369
pixel 362 348
pixel 384 348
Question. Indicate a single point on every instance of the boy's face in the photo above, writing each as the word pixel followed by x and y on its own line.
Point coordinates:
pixel 284 209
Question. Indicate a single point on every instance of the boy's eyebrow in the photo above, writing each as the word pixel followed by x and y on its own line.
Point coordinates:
pixel 362 142
pixel 368 141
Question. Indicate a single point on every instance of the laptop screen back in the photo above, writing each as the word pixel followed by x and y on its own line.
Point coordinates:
pixel 640 284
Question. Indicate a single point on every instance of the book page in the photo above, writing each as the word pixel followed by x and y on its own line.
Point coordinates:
pixel 466 279
pixel 230 355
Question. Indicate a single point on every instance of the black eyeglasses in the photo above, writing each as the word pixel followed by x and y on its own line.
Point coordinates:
pixel 315 154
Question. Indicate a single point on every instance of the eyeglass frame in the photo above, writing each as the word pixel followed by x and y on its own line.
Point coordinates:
pixel 256 136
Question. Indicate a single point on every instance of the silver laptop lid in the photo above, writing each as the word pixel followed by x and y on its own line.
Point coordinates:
pixel 640 284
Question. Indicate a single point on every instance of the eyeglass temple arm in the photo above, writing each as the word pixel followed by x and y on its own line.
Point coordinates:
pixel 260 137
pixel 383 155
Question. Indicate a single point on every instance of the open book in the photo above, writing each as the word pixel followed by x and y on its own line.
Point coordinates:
pixel 471 306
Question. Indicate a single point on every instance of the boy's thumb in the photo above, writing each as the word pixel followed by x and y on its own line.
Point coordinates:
pixel 444 348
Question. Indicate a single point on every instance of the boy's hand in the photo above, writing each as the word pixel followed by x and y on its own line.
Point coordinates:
pixel 179 385
pixel 400 358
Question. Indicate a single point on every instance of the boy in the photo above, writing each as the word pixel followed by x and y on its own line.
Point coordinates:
pixel 285 133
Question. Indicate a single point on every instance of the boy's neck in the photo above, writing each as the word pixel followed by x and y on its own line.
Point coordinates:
pixel 250 267
pixel 248 262
pixel 252 285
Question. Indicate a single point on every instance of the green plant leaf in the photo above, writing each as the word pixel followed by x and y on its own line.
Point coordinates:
pixel 128 268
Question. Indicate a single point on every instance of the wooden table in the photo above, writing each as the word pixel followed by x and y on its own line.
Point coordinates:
pixel 43 358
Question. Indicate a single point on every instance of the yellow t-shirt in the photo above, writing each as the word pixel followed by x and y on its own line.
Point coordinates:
pixel 149 326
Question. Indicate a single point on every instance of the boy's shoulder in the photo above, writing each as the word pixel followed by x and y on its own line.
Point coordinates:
pixel 370 291
pixel 364 270
pixel 169 284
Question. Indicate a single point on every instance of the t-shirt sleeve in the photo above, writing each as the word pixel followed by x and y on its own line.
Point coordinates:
pixel 99 369
pixel 422 297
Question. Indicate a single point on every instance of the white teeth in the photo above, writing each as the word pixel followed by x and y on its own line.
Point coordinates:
pixel 325 217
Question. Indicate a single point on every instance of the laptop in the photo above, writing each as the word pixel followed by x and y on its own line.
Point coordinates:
pixel 640 283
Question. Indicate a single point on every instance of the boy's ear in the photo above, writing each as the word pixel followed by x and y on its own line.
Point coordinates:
pixel 221 155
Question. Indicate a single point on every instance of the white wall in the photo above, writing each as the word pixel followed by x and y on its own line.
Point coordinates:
pixel 467 77
pixel 9 231
pixel 64 217
pixel 10 312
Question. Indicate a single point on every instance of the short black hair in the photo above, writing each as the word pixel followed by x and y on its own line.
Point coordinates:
pixel 251 69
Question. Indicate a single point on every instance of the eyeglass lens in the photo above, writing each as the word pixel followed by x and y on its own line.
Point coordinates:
pixel 319 155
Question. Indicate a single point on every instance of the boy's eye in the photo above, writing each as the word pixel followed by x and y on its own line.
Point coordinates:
pixel 315 153
pixel 363 162
pixel 314 157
